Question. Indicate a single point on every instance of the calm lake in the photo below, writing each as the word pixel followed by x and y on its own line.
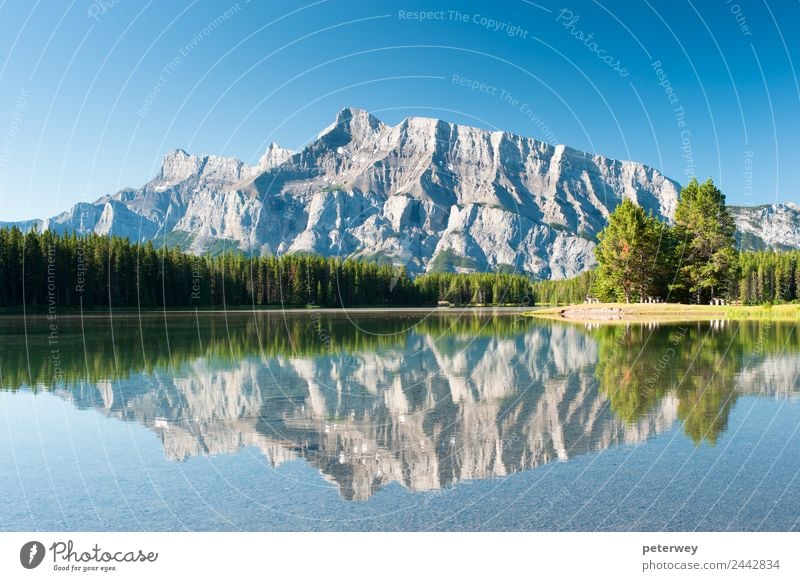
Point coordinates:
pixel 396 421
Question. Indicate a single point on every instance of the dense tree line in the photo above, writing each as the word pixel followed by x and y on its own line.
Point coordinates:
pixel 45 270
pixel 757 277
pixel 767 277
pixel 569 291
pixel 476 288
pixel 48 271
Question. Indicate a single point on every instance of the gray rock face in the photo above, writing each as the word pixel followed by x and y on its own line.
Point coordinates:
pixel 425 193
pixel 155 209
pixel 775 226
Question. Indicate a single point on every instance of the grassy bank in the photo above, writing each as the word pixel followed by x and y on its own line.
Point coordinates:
pixel 663 312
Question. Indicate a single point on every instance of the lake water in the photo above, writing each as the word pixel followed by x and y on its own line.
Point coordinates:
pixel 396 421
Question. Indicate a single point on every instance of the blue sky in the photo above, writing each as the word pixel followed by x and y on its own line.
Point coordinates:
pixel 93 93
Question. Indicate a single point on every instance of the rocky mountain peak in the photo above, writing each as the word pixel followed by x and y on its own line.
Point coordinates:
pixel 352 125
pixel 178 165
pixel 274 156
pixel 354 117
pixel 426 194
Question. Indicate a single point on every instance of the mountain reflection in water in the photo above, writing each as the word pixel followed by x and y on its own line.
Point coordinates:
pixel 426 400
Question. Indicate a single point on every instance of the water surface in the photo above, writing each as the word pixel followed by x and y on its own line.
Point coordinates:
pixel 396 421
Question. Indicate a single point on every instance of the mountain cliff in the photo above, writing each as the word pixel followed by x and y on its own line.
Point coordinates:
pixel 774 226
pixel 426 194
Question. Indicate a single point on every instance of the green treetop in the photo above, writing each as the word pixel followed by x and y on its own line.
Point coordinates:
pixel 634 255
pixel 705 230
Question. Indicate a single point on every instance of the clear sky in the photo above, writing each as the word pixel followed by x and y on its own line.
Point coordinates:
pixel 93 93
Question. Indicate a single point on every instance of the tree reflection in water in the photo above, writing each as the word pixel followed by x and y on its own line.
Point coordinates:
pixel 424 400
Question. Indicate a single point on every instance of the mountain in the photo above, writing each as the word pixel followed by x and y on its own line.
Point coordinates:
pixel 426 194
pixel 23 225
pixel 153 211
pixel 771 226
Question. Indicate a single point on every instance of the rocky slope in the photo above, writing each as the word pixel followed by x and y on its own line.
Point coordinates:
pixel 425 193
pixel 771 226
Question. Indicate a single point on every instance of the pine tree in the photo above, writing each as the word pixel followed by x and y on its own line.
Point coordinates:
pixel 705 231
pixel 627 254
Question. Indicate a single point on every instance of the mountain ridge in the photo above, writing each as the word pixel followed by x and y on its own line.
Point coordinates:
pixel 425 193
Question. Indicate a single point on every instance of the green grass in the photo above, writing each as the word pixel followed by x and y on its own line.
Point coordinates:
pixel 667 312
pixel 787 312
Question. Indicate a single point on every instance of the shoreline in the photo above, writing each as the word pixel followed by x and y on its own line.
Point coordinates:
pixel 616 313
pixel 130 313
